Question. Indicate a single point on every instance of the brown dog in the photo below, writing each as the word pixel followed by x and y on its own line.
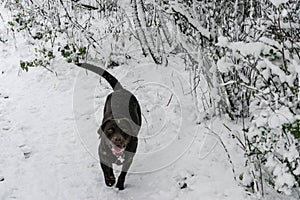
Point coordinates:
pixel 119 129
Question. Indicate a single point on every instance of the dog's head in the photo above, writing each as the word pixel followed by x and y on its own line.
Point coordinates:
pixel 118 134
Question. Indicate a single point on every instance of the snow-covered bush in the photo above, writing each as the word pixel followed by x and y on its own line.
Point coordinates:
pixel 77 29
pixel 249 53
pixel 261 79
pixel 71 29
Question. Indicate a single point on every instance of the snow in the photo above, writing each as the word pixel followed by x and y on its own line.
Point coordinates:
pixel 48 132
pixel 222 41
pixel 297 171
pixel 223 65
pixel 292 154
pixel 284 13
pixel 296 63
pixel 254 48
pixel 280 117
pixel 49 141
pixel 283 180
pixel 277 3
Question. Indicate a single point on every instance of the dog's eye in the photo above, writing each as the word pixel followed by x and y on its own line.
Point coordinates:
pixel 125 136
pixel 110 130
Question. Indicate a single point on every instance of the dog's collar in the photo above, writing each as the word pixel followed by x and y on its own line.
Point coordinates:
pixel 120 158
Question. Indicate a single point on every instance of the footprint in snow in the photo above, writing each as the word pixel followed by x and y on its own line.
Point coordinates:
pixel 26 150
pixel 4 96
pixel 6 128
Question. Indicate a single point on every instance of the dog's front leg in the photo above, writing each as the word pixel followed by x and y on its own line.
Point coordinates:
pixel 125 168
pixel 108 174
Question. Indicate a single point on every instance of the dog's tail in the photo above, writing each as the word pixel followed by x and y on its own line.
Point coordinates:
pixel 114 83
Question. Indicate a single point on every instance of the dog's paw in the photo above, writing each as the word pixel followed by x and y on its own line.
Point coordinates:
pixel 120 184
pixel 110 181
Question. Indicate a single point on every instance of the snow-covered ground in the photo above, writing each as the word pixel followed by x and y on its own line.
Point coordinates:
pixel 48 139
pixel 49 142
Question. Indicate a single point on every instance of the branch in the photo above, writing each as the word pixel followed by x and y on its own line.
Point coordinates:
pixel 226 150
pixel 89 7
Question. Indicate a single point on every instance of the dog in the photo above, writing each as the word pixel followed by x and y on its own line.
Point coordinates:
pixel 119 129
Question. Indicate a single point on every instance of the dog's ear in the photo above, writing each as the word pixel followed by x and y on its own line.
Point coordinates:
pixel 102 127
pixel 100 131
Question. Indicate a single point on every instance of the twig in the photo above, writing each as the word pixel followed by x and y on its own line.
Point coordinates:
pixel 260 177
pixel 235 136
pixel 138 80
pixel 227 152
pixel 169 100
pixel 227 127
pixel 50 70
pixel 89 7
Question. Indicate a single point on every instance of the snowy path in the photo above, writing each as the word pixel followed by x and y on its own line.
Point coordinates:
pixel 48 147
pixel 41 126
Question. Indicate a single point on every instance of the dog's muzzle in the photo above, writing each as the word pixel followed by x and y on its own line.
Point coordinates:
pixel 117 150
